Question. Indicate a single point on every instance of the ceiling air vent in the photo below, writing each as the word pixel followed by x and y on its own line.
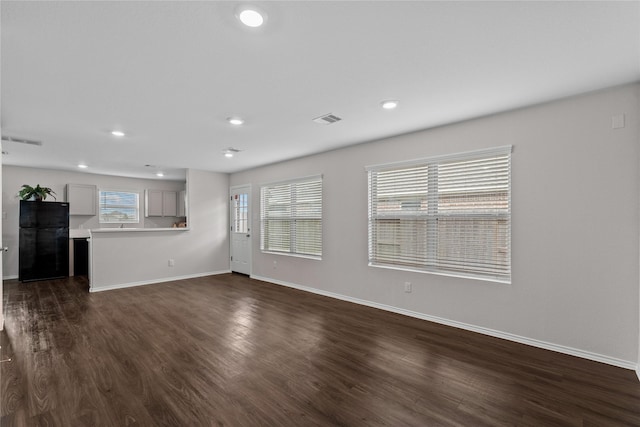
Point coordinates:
pixel 327 119
pixel 21 140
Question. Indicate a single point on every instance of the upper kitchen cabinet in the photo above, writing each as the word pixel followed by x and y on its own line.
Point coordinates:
pixel 169 203
pixel 182 203
pixel 161 203
pixel 82 199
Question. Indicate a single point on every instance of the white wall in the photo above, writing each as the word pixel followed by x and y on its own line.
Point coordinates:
pixel 575 228
pixel 124 259
pixel 3 255
pixel 15 177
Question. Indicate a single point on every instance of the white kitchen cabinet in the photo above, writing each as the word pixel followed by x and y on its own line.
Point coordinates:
pixel 169 203
pixel 182 203
pixel 82 199
pixel 152 203
pixel 160 203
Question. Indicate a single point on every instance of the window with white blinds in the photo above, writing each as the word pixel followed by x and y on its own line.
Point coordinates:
pixel 291 217
pixel 447 214
pixel 119 207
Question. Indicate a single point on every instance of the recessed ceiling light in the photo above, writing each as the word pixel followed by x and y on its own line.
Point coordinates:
pixel 117 133
pixel 251 18
pixel 389 104
pixel 159 174
pixel 229 152
pixel 82 166
pixel 237 121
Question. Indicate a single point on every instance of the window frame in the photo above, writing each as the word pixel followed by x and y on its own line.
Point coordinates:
pixel 137 207
pixel 291 248
pixel 421 226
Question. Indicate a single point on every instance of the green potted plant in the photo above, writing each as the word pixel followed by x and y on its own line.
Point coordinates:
pixel 38 193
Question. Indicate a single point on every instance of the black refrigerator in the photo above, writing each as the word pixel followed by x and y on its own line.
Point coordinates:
pixel 44 240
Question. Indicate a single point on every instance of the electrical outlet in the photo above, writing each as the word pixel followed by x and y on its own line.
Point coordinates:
pixel 172 262
pixel 407 287
pixel 275 264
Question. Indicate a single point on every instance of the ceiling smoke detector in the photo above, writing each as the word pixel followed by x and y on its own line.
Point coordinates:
pixel 327 119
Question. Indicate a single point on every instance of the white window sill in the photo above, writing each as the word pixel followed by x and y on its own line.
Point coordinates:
pixel 443 273
pixel 314 257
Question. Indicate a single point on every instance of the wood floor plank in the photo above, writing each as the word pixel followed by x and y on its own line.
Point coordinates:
pixel 227 350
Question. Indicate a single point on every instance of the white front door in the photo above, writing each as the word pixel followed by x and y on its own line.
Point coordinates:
pixel 240 219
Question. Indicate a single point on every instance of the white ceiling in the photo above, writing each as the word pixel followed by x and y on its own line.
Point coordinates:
pixel 170 73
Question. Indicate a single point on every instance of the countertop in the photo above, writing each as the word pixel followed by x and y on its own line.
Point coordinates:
pixel 79 233
pixel 84 233
pixel 124 230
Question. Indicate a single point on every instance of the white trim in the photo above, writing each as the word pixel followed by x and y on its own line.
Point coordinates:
pixel 293 180
pixel 504 149
pixel 638 371
pixel 10 277
pixel 293 254
pixel 154 281
pixel 235 187
pixel 460 325
pixel 442 273
pixel 250 230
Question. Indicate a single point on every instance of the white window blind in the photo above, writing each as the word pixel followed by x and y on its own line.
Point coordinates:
pixel 447 214
pixel 291 217
pixel 119 207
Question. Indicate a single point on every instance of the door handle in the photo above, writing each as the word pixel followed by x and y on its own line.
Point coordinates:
pixel 248 235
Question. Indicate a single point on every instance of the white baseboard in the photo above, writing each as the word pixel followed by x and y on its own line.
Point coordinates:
pixel 10 277
pixel 473 328
pixel 638 371
pixel 151 282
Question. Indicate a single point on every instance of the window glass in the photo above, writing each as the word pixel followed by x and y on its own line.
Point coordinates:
pixel 119 207
pixel 291 217
pixel 448 215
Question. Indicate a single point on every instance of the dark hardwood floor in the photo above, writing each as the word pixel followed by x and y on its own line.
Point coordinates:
pixel 230 351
